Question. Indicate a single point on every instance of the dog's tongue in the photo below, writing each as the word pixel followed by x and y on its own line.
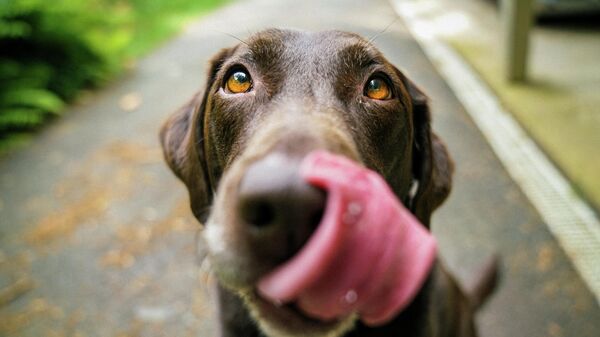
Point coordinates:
pixel 369 255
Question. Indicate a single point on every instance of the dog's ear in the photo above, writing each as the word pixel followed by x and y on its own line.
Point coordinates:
pixel 432 166
pixel 182 139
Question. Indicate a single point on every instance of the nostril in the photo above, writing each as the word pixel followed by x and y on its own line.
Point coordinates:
pixel 300 235
pixel 315 217
pixel 258 213
pixel 277 204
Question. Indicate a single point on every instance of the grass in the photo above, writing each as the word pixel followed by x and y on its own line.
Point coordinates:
pixel 154 21
pixel 564 123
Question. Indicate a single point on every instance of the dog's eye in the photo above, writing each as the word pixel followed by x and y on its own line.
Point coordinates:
pixel 239 82
pixel 377 88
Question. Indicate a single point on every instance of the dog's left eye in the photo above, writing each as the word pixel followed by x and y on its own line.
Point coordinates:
pixel 377 88
pixel 239 82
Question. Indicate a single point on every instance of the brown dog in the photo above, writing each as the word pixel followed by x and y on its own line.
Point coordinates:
pixel 237 146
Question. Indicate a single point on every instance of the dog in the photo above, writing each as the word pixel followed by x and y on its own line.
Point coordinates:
pixel 266 104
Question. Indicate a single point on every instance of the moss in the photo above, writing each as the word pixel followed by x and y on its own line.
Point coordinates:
pixel 566 125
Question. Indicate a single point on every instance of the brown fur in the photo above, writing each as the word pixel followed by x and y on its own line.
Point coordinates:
pixel 307 95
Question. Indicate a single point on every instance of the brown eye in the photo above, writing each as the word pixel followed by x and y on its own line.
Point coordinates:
pixel 239 82
pixel 377 88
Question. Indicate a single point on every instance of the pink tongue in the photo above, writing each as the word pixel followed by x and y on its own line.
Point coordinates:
pixel 369 254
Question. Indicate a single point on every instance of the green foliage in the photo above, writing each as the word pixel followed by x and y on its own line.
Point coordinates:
pixel 50 50
pixel 47 54
pixel 153 21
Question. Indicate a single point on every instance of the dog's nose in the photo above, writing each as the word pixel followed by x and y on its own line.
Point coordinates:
pixel 278 205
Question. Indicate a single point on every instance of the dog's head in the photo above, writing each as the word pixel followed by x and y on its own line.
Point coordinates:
pixel 270 101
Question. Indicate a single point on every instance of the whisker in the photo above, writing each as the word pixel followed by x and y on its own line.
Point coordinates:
pixel 372 39
pixel 233 36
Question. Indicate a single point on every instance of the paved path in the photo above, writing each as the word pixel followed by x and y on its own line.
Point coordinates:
pixel 96 237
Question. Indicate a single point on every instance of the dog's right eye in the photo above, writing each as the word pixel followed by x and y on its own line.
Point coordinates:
pixel 377 88
pixel 238 82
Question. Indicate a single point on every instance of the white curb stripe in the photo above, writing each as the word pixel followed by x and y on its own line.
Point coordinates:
pixel 569 218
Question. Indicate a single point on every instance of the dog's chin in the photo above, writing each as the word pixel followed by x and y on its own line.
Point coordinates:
pixel 288 321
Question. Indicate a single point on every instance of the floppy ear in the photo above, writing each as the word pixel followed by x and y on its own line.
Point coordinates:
pixel 432 166
pixel 182 139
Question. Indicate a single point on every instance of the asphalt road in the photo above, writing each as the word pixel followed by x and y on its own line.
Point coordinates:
pixel 96 238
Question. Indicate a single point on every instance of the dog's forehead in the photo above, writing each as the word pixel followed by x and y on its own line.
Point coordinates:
pixel 308 50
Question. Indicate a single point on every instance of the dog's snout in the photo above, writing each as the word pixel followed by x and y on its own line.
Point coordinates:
pixel 277 204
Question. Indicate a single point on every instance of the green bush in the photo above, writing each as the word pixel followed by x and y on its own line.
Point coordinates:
pixel 50 50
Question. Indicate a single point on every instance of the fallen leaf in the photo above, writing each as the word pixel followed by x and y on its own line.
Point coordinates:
pixel 15 290
pixel 130 101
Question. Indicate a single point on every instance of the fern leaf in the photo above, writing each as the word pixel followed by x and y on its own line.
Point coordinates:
pixel 32 97
pixel 14 29
pixel 21 118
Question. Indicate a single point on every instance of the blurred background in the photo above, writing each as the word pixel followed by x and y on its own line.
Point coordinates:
pixel 554 93
pixel 96 236
pixel 52 52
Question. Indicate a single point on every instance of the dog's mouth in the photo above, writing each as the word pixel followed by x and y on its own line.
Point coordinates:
pixel 368 255
pixel 292 309
pixel 367 258
pixel 280 319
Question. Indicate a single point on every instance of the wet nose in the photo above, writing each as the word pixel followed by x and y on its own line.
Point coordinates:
pixel 278 207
